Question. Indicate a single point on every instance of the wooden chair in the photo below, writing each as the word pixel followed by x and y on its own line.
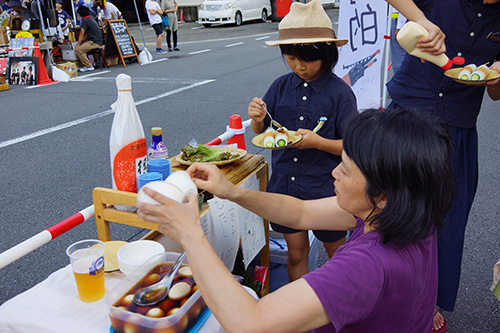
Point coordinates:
pixel 105 199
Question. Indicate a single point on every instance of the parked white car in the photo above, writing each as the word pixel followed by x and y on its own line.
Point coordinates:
pixel 233 11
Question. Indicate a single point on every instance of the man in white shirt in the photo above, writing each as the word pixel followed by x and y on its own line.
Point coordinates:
pixel 154 11
pixel 109 12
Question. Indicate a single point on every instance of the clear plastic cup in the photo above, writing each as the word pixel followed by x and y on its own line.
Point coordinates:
pixel 87 261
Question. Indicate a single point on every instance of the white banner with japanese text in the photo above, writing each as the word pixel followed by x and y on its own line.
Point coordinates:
pixel 363 23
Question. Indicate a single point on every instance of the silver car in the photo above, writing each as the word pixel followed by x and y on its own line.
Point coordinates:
pixel 233 11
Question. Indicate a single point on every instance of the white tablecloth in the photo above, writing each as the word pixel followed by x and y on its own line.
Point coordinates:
pixel 54 306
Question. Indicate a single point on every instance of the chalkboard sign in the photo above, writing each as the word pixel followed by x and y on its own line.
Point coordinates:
pixel 118 30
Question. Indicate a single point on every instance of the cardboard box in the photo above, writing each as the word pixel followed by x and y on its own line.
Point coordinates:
pixel 69 55
pixel 68 67
pixel 4 87
pixel 68 46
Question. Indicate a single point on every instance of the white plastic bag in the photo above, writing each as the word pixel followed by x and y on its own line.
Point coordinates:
pixel 145 57
pixel 59 75
pixel 127 143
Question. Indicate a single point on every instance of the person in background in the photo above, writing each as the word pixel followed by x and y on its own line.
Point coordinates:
pixel 6 8
pixel 397 51
pixel 93 7
pixel 30 78
pixel 17 6
pixel 90 38
pixel 76 5
pixel 297 101
pixel 394 187
pixel 110 12
pixel 468 26
pixel 63 18
pixel 154 15
pixel 169 8
pixel 24 76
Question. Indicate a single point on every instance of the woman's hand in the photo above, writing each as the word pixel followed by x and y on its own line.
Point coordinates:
pixel 208 177
pixel 178 221
pixel 434 42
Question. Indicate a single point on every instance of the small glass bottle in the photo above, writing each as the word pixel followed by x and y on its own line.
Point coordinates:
pixel 157 148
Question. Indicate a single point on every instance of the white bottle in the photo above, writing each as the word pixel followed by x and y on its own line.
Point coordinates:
pixel 127 143
pixel 408 38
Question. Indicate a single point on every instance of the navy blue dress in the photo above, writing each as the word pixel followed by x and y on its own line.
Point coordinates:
pixel 294 103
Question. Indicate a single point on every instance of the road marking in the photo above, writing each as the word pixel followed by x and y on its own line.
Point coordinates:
pixel 261 38
pixel 195 28
pixel 201 51
pixel 89 75
pixel 49 130
pixel 43 85
pixel 153 80
pixel 227 38
pixel 235 44
pixel 154 61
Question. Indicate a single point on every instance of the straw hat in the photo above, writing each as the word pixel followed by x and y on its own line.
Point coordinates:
pixel 306 24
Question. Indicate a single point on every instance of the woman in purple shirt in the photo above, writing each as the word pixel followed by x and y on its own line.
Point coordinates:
pixel 393 188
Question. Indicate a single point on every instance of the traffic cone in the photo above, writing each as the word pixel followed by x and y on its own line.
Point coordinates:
pixel 43 77
pixel 182 16
pixel 236 126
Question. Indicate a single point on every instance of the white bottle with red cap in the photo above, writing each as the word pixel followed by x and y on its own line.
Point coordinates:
pixel 408 38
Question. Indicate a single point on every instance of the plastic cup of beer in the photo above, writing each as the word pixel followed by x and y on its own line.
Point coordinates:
pixel 87 261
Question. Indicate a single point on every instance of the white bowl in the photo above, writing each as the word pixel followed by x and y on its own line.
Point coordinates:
pixel 169 190
pixel 134 254
pixel 183 181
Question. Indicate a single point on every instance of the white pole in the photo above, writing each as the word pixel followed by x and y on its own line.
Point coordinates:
pixel 74 13
pixel 24 248
pixel 140 25
pixel 387 56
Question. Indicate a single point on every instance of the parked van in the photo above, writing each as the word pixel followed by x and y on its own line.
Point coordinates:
pixel 233 11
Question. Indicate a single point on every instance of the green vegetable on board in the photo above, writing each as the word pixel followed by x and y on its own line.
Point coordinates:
pixel 204 153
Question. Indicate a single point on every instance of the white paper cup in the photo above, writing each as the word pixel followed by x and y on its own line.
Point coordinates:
pixel 169 190
pixel 183 181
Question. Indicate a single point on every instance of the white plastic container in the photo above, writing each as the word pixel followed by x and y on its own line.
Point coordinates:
pixel 126 321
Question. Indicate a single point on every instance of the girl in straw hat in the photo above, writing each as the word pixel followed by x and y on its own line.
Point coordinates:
pixel 298 100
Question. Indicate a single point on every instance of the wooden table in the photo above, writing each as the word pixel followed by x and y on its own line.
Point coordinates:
pixel 236 172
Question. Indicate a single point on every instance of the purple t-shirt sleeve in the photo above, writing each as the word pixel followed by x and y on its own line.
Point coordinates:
pixel 348 286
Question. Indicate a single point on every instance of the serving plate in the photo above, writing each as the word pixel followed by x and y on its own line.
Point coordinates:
pixel 241 152
pixel 293 138
pixel 110 250
pixel 453 73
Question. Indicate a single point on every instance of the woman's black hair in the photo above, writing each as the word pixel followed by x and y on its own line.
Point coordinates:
pixel 405 157
pixel 327 52
pixel 83 11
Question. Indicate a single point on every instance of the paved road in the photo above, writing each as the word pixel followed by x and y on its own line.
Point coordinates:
pixel 49 170
pixel 54 138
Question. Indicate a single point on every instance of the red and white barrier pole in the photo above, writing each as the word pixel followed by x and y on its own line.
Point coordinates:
pixel 42 238
pixel 23 48
pixel 229 133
